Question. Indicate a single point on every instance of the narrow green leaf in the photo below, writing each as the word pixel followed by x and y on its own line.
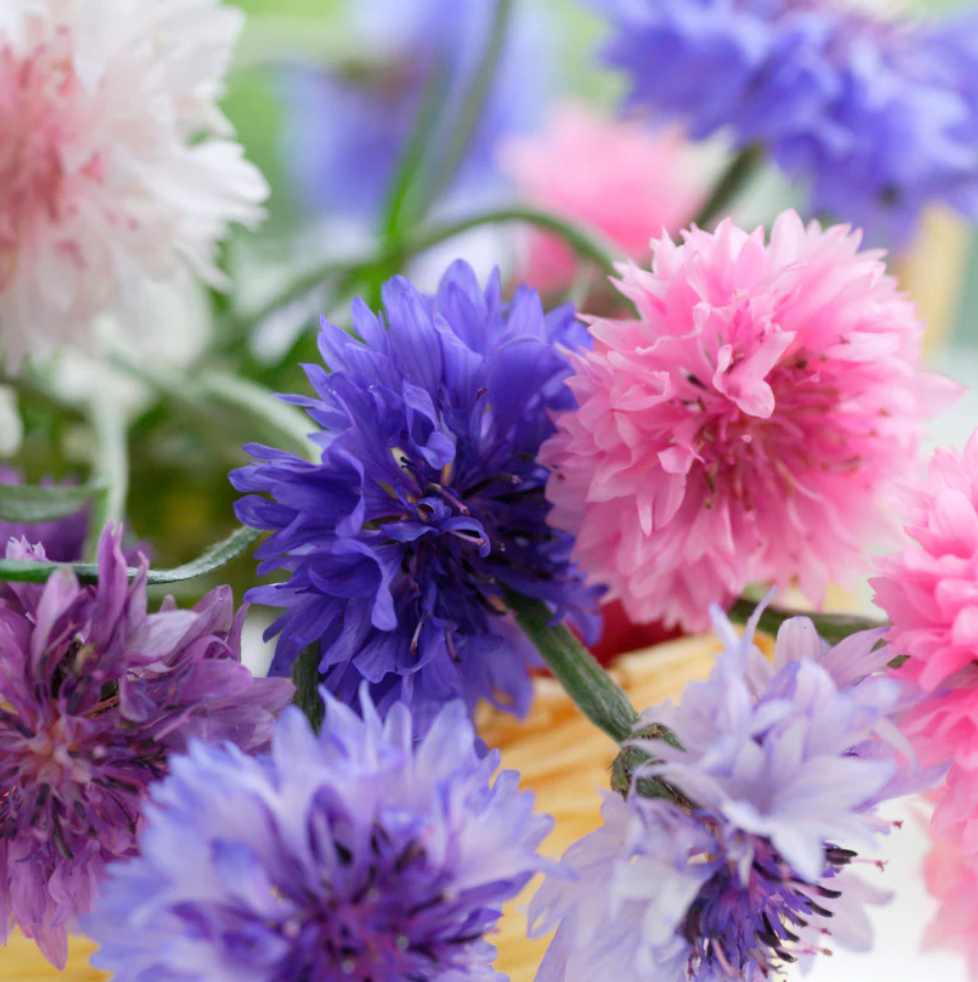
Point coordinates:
pixel 218 555
pixel 465 126
pixel 31 503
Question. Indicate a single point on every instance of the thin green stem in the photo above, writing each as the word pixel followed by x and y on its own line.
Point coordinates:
pixel 593 691
pixel 400 209
pixel 228 401
pixel 471 111
pixel 731 183
pixel 832 627
pixel 587 245
pixel 234 329
pixel 110 466
pixel 213 558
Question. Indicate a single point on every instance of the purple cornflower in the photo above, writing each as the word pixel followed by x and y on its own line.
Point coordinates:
pixel 879 116
pixel 94 696
pixel 428 501
pixel 731 853
pixel 347 127
pixel 361 855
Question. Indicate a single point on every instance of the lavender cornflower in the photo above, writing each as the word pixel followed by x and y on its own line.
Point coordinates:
pixel 879 116
pixel 347 127
pixel 730 854
pixel 94 696
pixel 428 501
pixel 359 855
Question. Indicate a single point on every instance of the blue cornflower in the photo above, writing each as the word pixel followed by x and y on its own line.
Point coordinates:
pixel 730 854
pixel 353 856
pixel 346 127
pixel 428 501
pixel 879 116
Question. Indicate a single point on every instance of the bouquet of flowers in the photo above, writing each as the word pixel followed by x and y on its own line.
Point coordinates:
pixel 639 420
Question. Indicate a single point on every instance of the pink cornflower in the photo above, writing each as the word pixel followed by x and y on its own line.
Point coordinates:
pixel 613 176
pixel 929 591
pixel 747 427
pixel 115 164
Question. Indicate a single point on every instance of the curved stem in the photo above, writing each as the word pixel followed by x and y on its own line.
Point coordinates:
pixel 832 627
pixel 731 183
pixel 593 691
pixel 216 556
pixel 587 245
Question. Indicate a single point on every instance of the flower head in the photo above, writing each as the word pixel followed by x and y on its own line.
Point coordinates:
pixel 747 426
pixel 878 115
pixel 360 855
pixel 94 696
pixel 613 176
pixel 428 501
pixel 105 181
pixel 928 590
pixel 764 779
pixel 346 129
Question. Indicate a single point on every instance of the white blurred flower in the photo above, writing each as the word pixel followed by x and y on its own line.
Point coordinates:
pixel 117 168
pixel 11 425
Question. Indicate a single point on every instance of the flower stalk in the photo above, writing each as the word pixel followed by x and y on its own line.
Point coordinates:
pixel 831 627
pixel 733 180
pixel 593 691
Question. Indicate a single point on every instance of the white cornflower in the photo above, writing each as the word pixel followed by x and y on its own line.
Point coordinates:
pixel 116 166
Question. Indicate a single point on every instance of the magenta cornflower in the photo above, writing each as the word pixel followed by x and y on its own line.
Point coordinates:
pixel 747 427
pixel 94 696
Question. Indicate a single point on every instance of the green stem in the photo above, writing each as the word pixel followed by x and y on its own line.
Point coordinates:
pixel 305 677
pixel 832 627
pixel 399 211
pixel 587 246
pixel 234 329
pixel 471 111
pixel 731 183
pixel 235 405
pixel 111 467
pixel 213 558
pixel 593 691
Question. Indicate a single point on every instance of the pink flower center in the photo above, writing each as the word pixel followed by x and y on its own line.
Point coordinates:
pixel 36 120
